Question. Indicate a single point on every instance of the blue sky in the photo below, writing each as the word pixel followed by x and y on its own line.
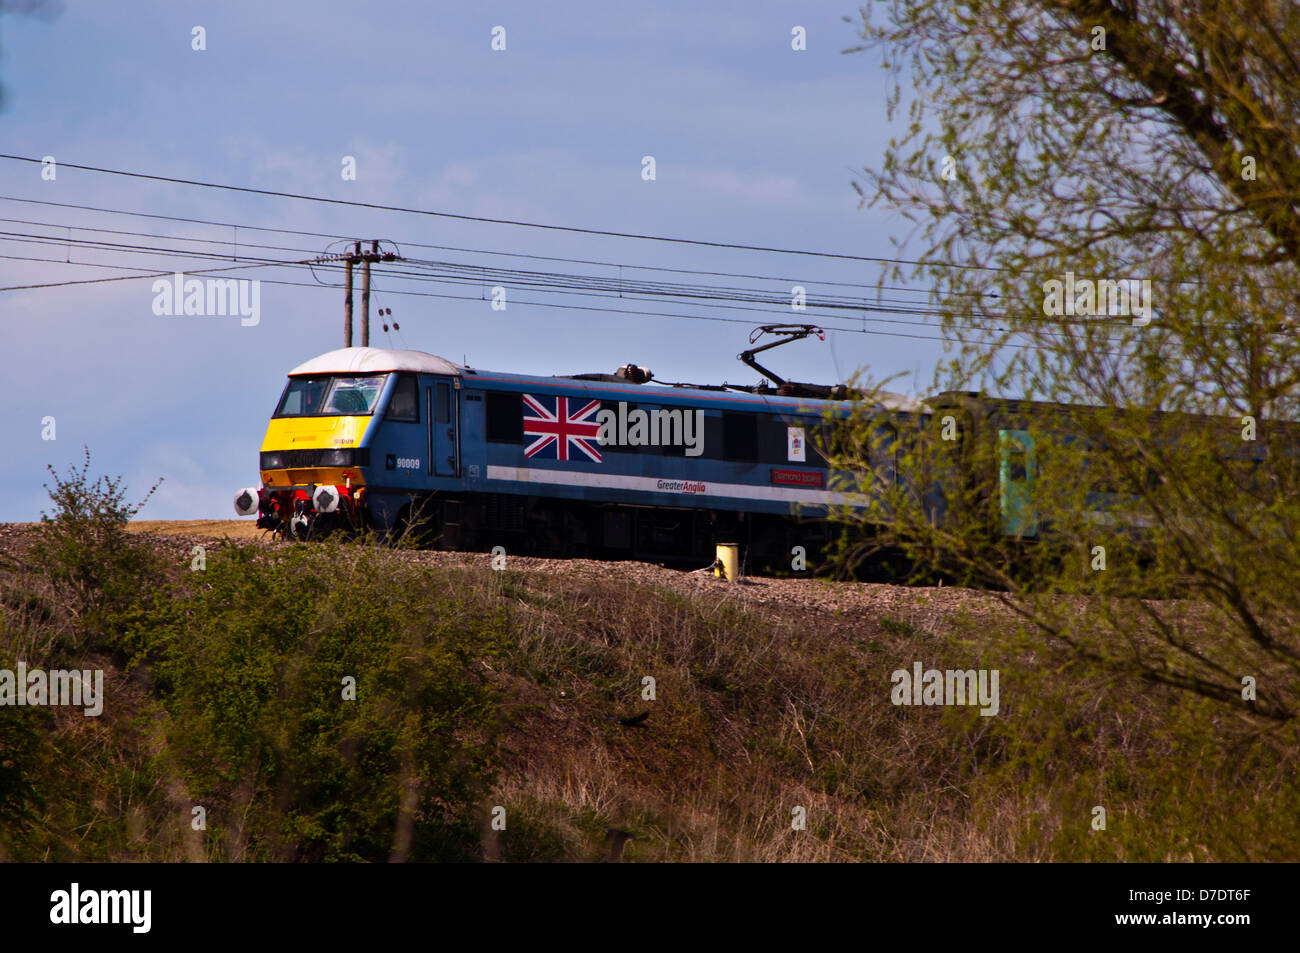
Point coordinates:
pixel 754 143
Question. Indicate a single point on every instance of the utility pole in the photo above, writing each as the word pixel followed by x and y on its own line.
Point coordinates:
pixel 347 303
pixel 350 259
pixel 365 291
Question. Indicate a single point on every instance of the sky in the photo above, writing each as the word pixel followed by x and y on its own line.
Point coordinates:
pixel 753 143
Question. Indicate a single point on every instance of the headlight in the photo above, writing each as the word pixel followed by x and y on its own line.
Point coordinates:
pixel 335 458
pixel 272 460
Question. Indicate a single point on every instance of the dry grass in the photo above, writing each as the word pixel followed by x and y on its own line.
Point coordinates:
pixel 771 696
pixel 215 529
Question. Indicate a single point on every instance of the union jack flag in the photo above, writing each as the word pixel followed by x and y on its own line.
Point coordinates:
pixel 557 428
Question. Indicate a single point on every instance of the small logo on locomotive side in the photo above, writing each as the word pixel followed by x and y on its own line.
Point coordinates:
pixel 682 486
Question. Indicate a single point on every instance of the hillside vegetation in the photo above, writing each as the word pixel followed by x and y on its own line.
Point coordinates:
pixel 497 716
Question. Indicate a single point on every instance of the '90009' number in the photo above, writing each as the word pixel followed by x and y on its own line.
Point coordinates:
pixel 408 463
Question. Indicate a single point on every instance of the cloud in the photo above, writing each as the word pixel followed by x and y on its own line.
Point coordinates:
pixel 757 187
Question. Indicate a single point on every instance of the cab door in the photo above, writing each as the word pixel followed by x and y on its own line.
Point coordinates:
pixel 442 410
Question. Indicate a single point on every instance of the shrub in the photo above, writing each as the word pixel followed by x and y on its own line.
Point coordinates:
pixel 22 746
pixel 84 548
pixel 251 660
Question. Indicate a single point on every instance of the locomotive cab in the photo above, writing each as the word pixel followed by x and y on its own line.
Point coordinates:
pixel 336 413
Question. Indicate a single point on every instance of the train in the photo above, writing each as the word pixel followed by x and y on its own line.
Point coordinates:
pixel 617 465
pixel 599 465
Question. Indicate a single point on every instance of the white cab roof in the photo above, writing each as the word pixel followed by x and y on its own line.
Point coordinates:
pixel 367 360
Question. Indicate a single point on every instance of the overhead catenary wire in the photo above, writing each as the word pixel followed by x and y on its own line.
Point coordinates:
pixel 566 284
pixel 414 244
pixel 542 304
pixel 415 277
pixel 150 272
pixel 464 273
pixel 458 273
pixel 547 282
pixel 920 263
pixel 517 223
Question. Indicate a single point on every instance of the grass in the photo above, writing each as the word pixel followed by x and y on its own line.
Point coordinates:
pixel 753 717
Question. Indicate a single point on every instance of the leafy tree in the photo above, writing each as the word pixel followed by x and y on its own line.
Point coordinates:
pixel 1107 195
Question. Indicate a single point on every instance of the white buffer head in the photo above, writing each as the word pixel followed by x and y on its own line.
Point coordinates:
pixel 325 499
pixel 247 501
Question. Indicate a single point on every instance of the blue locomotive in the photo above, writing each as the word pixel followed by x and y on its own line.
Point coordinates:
pixel 602 465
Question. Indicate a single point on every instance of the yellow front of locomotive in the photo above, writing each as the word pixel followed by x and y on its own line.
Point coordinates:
pixel 314 457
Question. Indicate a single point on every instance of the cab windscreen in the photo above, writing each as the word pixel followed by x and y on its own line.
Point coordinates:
pixel 337 395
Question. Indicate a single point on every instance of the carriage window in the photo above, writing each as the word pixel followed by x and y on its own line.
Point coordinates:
pixel 824 442
pixel 442 403
pixel 887 449
pixel 672 425
pixel 740 437
pixel 505 418
pixel 405 402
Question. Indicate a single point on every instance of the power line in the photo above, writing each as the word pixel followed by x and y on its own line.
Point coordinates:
pixel 122 231
pixel 413 244
pixel 298 196
pixel 475 274
pixel 464 272
pixel 452 297
pixel 558 288
pixel 96 281
pixel 548 282
pixel 123 247
pixel 562 284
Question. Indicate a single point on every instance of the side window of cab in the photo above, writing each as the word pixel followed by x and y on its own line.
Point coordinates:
pixel 405 402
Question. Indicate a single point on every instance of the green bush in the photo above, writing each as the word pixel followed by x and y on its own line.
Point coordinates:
pixel 22 746
pixel 251 657
pixel 84 548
